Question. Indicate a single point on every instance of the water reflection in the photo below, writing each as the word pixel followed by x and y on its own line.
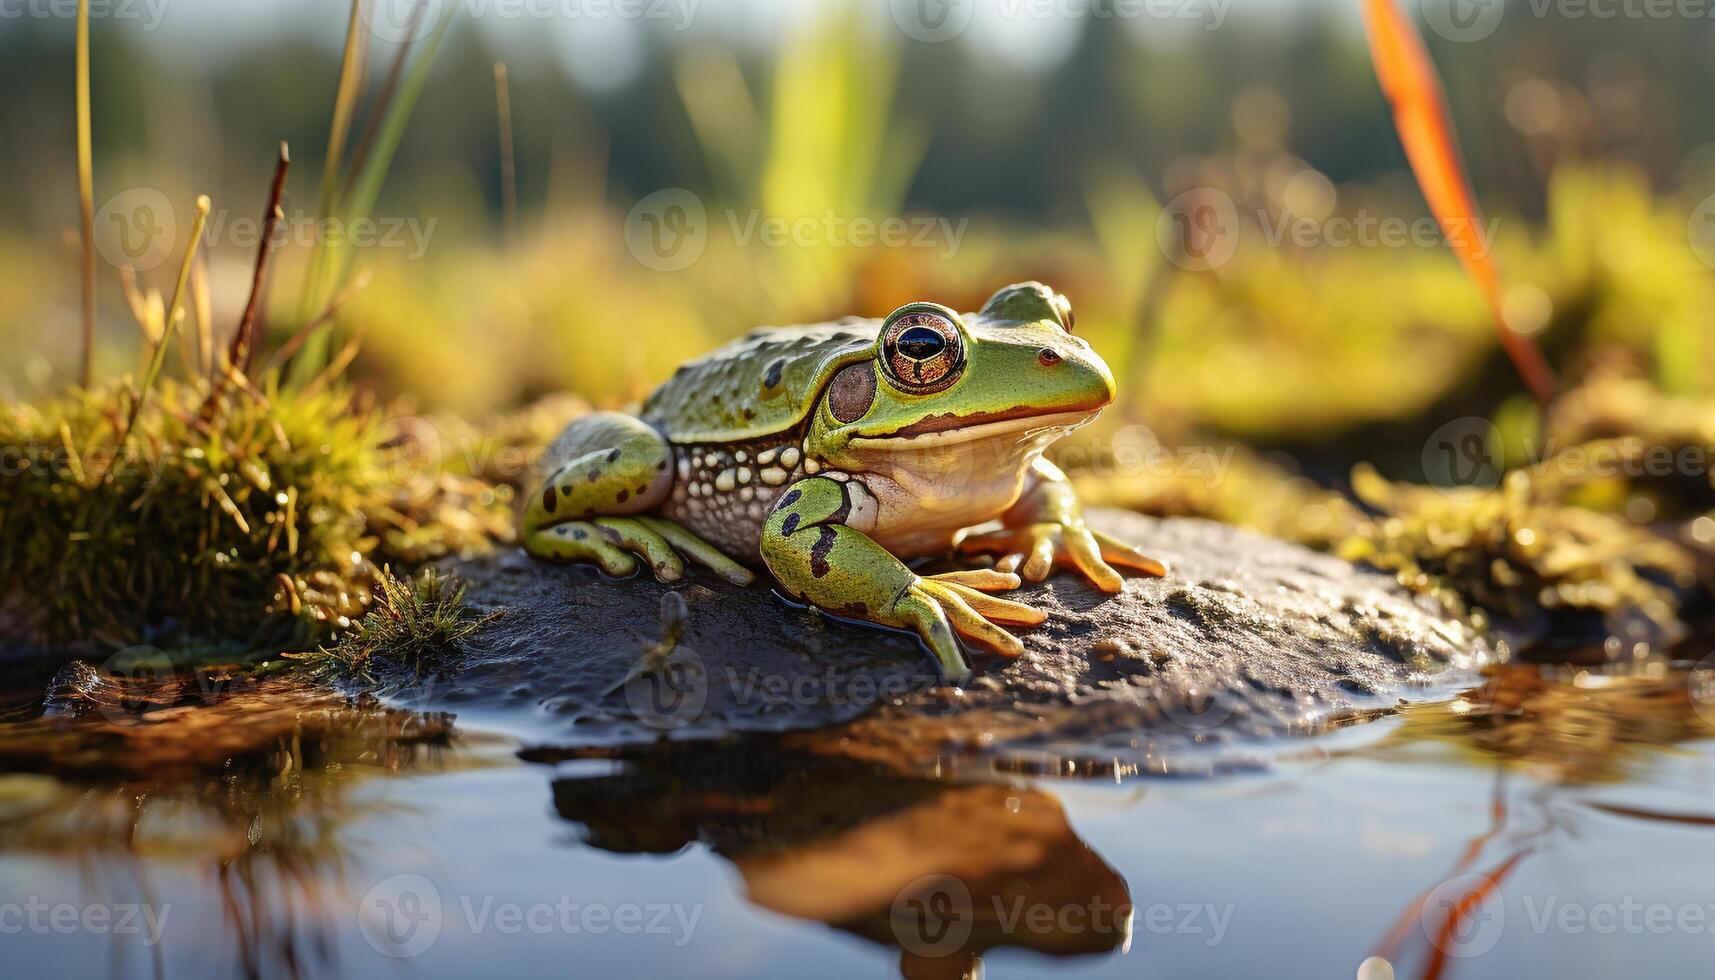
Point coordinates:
pixel 247 781
pixel 941 872
pixel 1549 733
pixel 261 802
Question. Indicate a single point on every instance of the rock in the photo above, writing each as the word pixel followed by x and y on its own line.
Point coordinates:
pixel 1247 638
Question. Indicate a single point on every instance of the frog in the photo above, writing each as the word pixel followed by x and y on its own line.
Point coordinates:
pixel 839 456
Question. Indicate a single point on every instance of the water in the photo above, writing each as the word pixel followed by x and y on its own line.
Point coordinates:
pixel 1562 820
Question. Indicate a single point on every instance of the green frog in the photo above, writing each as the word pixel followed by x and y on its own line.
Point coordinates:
pixel 833 454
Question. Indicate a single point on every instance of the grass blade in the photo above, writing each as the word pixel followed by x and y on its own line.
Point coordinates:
pixel 372 161
pixel 1409 80
pixel 344 109
pixel 86 194
pixel 508 165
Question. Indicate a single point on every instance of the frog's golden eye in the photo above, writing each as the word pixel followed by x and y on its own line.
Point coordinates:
pixel 922 350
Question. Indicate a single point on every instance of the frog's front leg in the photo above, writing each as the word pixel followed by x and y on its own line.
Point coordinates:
pixel 1046 528
pixel 611 470
pixel 813 544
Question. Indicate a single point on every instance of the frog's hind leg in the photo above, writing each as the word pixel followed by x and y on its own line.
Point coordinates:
pixel 611 469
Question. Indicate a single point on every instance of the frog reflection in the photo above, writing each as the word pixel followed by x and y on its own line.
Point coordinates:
pixel 942 872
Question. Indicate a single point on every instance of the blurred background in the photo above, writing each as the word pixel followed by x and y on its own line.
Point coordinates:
pixel 1216 184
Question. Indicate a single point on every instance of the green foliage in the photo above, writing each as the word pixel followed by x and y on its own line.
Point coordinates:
pixel 193 529
pixel 1522 548
pixel 258 527
pixel 416 624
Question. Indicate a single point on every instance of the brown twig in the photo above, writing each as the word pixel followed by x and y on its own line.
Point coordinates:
pixel 245 342
pixel 248 339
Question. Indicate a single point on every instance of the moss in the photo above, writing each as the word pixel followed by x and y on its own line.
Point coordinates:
pixel 417 624
pixel 1520 549
pixel 255 527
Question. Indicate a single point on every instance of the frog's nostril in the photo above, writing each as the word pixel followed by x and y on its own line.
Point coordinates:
pixel 1048 357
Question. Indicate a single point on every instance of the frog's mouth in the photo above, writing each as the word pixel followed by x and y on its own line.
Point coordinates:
pixel 950 429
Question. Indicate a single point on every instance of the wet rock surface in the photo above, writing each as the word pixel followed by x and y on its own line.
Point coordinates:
pixel 1247 638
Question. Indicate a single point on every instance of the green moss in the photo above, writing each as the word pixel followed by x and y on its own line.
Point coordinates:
pixel 1520 549
pixel 255 527
pixel 416 624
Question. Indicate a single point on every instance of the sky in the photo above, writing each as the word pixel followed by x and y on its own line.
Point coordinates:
pixel 600 42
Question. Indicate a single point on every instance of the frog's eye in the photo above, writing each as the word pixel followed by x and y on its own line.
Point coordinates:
pixel 922 350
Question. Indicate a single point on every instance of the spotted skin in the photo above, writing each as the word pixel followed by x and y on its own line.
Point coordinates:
pixel 612 466
pixel 834 453
pixel 726 490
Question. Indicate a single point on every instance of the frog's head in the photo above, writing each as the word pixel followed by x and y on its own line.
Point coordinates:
pixel 1011 376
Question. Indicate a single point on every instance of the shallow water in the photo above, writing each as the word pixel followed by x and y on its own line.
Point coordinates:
pixel 1551 823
